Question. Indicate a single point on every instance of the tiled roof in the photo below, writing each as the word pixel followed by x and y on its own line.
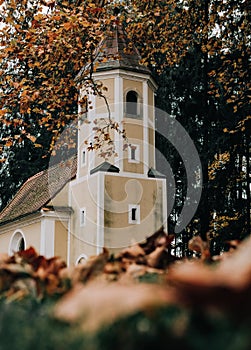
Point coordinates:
pixel 106 167
pixel 156 174
pixel 116 51
pixel 38 190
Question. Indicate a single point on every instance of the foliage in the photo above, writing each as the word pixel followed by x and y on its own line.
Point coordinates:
pixel 224 155
pixel 207 90
pixel 199 52
pixel 28 324
pixel 44 47
pixel 197 303
pixel 23 160
pixel 202 49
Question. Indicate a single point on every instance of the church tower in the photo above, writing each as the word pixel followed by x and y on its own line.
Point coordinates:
pixel 119 199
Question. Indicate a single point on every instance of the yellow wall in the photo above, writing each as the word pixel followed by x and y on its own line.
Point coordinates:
pixel 130 84
pixel 5 241
pixel 134 134
pixel 151 147
pixel 119 193
pixel 61 240
pixel 100 102
pixel 150 105
pixel 85 131
pixel 31 232
pixel 99 159
pixel 61 199
pixel 83 239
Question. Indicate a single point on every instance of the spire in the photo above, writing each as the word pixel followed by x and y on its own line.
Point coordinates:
pixel 117 51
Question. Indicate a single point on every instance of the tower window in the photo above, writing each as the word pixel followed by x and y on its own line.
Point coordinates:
pixel 133 154
pixel 82 217
pixel 83 157
pixel 132 103
pixel 134 214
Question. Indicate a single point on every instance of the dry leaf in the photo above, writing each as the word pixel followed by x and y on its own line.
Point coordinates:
pixel 98 304
pixel 135 271
pixel 159 238
pixel 93 267
pixel 154 259
pixel 197 245
pixel 134 251
pixel 227 284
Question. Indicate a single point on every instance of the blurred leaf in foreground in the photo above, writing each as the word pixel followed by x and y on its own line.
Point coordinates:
pixel 97 304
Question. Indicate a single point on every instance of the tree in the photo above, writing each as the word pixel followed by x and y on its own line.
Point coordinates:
pixel 23 160
pixel 214 93
pixel 43 49
pixel 44 44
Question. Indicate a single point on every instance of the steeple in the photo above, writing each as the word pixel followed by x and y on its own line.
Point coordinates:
pixel 118 199
pixel 117 51
pixel 129 91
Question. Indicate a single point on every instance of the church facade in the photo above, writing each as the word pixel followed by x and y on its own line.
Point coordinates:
pixel 85 203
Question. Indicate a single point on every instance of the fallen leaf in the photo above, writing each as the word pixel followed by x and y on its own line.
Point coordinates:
pixel 135 271
pixel 159 238
pixel 134 251
pixel 154 258
pixel 224 285
pixel 197 245
pixel 98 304
pixel 93 267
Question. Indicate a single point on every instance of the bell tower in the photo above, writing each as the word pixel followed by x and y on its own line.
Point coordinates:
pixel 119 198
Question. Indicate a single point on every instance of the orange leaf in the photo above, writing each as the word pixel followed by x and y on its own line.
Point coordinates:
pixel 112 301
pixel 67 25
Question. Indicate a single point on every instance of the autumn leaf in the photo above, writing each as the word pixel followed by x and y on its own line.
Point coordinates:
pixel 91 269
pixel 68 25
pixel 225 285
pixel 134 251
pixel 98 304
pixel 31 137
pixel 197 245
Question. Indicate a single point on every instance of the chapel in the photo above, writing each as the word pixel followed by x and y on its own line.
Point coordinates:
pixel 87 202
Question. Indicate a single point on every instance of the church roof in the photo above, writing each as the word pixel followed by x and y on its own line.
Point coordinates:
pixel 116 51
pixel 156 174
pixel 106 167
pixel 38 190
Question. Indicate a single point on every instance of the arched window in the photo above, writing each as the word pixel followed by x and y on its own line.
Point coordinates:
pixel 17 242
pixel 81 259
pixel 132 103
